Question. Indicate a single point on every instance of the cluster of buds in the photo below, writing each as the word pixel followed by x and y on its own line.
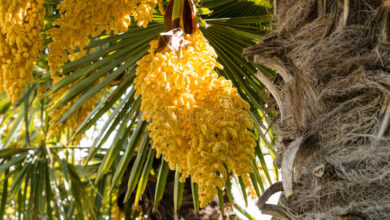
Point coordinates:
pixel 197 119
pixel 20 41
pixel 91 18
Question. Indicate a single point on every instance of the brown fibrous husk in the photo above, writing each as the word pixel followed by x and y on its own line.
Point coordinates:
pixel 338 101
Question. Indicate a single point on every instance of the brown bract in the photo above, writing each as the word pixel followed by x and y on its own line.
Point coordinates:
pixel 173 39
pixel 187 21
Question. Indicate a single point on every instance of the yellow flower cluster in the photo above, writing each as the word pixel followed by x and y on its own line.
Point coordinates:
pixel 144 12
pixel 161 7
pixel 197 119
pixel 20 41
pixel 81 19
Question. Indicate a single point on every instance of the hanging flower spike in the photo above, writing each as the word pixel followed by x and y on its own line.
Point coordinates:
pixel 197 119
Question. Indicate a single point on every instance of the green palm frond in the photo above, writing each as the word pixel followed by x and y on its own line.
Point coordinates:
pixel 263 3
pixel 51 185
pixel 237 8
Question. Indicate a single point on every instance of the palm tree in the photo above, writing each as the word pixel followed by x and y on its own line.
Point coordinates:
pixel 332 92
pixel 46 173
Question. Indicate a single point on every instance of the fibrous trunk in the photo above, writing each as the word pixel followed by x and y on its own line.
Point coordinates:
pixel 333 57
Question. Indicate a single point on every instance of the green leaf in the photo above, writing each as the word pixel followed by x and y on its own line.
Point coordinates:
pixel 4 106
pixel 41 202
pixel 12 162
pixel 240 20
pixel 26 118
pixel 48 192
pixel 135 33
pixel 115 148
pixel 258 127
pixel 264 3
pixel 243 212
pixel 127 156
pixel 221 202
pixel 258 176
pixel 243 189
pixel 94 90
pixel 161 182
pixel 65 173
pixel 93 57
pixel 262 162
pixel 86 82
pixel 9 152
pixel 4 195
pixel 228 188
pixel 100 195
pixel 14 129
pixel 101 138
pixel 18 180
pixel 78 187
pixel 33 185
pixel 234 8
pixel 129 47
pixel 58 200
pixel 138 165
pixel 177 191
pixel 231 68
pixel 103 107
pixel 144 175
pixel 255 184
pixel 195 196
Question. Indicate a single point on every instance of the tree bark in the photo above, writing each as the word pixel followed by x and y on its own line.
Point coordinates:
pixel 334 103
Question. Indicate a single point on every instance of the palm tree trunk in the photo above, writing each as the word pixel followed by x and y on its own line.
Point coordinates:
pixel 333 57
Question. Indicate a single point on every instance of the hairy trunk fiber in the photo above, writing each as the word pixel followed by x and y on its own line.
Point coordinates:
pixel 334 104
